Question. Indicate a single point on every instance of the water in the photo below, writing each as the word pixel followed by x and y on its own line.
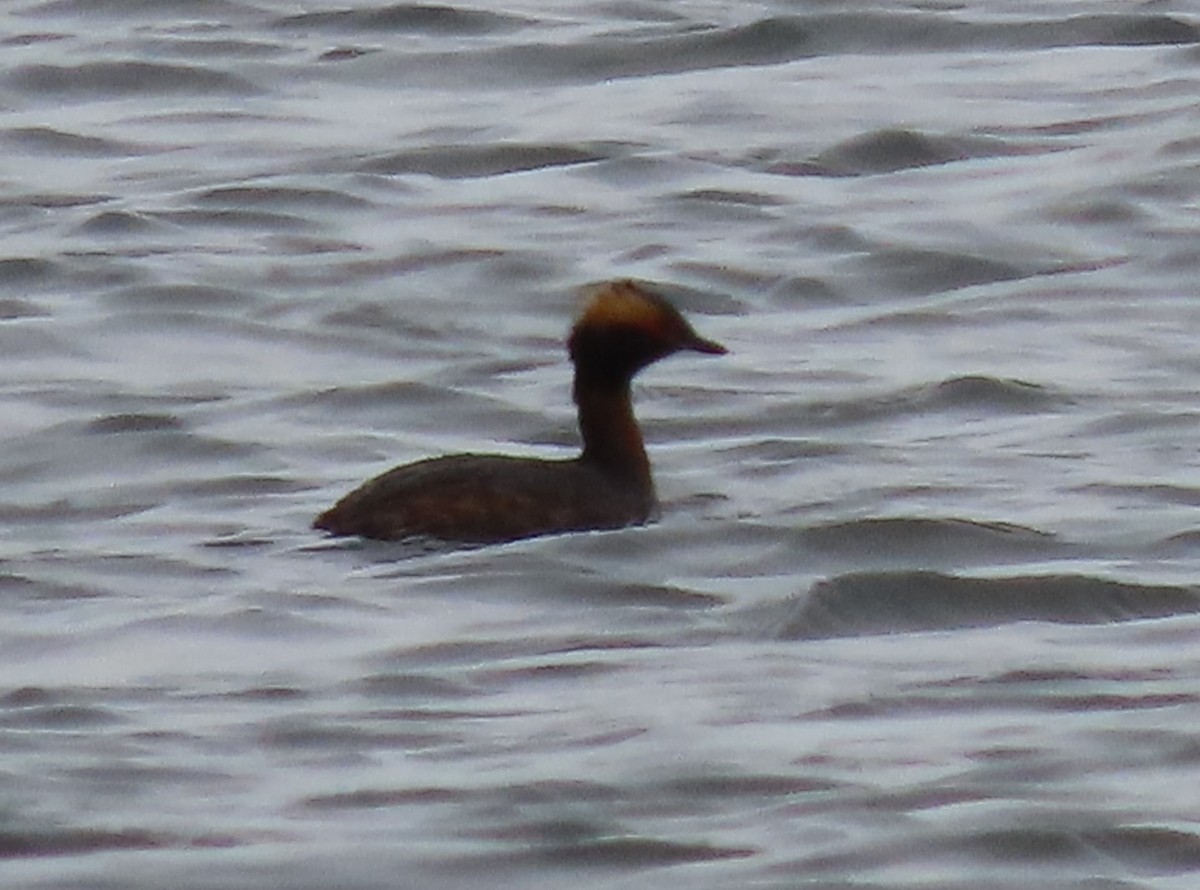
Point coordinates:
pixel 921 610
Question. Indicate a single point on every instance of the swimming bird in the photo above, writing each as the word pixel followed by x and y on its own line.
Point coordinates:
pixel 483 498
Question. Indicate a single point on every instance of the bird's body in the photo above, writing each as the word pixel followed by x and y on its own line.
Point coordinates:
pixel 481 498
pixel 487 498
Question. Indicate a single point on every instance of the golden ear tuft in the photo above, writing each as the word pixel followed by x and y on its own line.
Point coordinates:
pixel 622 303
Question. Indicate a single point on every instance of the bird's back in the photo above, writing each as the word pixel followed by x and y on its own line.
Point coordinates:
pixel 488 498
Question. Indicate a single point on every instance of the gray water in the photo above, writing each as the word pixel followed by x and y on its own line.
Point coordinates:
pixel 923 606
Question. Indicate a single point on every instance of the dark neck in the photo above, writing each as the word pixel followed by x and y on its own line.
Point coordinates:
pixel 611 438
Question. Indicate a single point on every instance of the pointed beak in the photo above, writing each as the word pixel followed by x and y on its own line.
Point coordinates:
pixel 708 347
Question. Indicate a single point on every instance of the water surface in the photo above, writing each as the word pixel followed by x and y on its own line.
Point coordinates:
pixel 921 610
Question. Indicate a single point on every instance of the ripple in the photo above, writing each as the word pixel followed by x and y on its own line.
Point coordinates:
pixel 257 197
pixel 108 79
pixel 58 717
pixel 186 297
pixel 139 10
pixel 16 843
pixel 929 271
pixel 983 393
pixel 775 40
pixel 907 601
pixel 890 150
pixel 121 224
pixel 13 309
pixel 469 161
pixel 407 17
pixel 974 394
pixel 923 539
pixel 56 143
pixel 28 271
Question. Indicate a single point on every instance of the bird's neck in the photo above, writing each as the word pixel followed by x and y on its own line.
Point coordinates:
pixel 611 438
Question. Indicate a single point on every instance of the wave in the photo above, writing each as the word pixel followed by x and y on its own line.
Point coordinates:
pixel 769 41
pixel 108 79
pixel 407 17
pixel 493 159
pixel 139 9
pixel 910 538
pixel 971 393
pixel 56 143
pixel 893 149
pixel 23 271
pixel 873 603
pixel 277 197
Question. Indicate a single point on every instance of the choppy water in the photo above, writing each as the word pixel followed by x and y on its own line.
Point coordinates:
pixel 922 609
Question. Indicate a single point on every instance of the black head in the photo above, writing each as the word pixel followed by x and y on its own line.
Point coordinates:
pixel 625 327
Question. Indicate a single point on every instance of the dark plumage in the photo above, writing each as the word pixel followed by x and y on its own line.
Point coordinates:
pixel 481 498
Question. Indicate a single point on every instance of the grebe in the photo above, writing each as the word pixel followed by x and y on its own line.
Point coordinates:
pixel 478 498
